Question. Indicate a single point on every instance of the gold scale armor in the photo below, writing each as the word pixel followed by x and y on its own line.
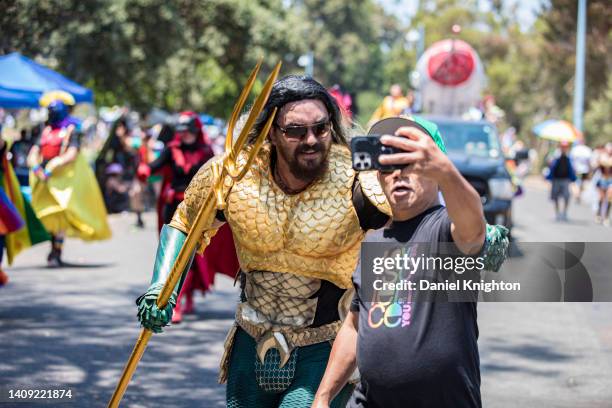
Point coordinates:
pixel 286 244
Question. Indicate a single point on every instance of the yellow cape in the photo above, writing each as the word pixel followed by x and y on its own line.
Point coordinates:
pixel 70 200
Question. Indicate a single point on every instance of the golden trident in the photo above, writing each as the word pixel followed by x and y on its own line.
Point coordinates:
pixel 214 199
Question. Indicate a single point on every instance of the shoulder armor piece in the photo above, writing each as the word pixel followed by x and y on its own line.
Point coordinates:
pixel 373 191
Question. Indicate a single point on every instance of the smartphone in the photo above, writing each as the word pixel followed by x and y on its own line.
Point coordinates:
pixel 365 151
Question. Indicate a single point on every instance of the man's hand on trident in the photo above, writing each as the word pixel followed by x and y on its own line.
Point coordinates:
pixel 419 153
pixel 149 315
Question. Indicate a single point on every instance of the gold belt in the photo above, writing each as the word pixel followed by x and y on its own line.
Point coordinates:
pixel 287 338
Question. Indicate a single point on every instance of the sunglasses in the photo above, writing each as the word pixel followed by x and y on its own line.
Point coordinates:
pixel 299 132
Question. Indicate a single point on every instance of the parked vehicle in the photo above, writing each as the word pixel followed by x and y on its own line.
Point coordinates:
pixel 474 148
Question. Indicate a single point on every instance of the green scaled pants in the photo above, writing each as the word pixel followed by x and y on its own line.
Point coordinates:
pixel 243 391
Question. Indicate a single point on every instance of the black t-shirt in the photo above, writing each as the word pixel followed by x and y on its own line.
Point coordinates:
pixel 128 160
pixel 431 359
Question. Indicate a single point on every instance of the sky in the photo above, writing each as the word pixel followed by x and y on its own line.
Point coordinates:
pixel 405 9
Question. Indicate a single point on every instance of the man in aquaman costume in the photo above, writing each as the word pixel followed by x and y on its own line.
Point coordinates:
pixel 298 218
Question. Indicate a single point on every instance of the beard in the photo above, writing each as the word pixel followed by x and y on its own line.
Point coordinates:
pixel 306 169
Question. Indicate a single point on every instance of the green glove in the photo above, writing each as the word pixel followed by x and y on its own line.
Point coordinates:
pixel 496 247
pixel 150 316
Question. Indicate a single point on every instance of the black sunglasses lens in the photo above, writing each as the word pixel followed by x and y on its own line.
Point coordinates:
pixel 296 132
pixel 320 129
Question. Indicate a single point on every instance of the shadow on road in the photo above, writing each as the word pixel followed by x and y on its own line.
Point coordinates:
pixel 538 359
pixel 85 345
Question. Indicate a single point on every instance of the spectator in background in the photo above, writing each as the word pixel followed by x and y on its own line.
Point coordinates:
pixel 116 190
pixel 139 153
pixel 561 173
pixel 491 111
pixel 603 165
pixel 19 155
pixel 508 140
pixel 106 155
pixel 122 148
pixel 409 110
pixel 394 104
pixel 179 162
pixel 345 102
pixel 580 156
pixel 166 134
pixel 20 149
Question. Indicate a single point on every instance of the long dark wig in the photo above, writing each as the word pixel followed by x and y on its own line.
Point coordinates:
pixel 108 150
pixel 293 88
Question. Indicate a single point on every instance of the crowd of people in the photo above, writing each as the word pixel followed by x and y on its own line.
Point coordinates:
pixel 590 170
pixel 289 233
pixel 50 190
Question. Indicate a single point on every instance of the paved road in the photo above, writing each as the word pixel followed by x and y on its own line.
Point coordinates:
pixel 534 218
pixel 75 327
pixel 547 354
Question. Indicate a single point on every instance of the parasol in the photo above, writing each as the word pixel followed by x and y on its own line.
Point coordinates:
pixel 558 131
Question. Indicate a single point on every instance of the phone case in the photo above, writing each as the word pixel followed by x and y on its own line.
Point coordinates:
pixel 365 151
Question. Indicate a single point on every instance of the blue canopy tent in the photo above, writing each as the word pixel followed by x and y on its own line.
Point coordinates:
pixel 14 99
pixel 23 81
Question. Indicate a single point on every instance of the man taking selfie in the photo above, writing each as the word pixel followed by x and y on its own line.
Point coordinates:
pixel 431 359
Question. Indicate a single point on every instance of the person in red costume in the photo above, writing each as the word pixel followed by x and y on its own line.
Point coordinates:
pixel 179 162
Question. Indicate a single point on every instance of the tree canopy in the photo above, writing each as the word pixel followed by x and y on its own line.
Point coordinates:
pixel 195 54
